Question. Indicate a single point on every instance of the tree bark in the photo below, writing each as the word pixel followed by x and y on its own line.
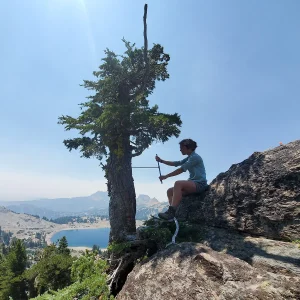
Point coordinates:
pixel 122 204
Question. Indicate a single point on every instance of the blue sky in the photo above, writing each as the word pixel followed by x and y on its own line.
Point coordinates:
pixel 234 79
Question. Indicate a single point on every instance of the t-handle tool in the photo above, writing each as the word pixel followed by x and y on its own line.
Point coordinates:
pixel 159 170
pixel 158 166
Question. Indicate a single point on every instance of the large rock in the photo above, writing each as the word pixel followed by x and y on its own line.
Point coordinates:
pixel 260 196
pixel 194 271
pixel 270 255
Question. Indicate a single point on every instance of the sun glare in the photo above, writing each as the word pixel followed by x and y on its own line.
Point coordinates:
pixel 80 12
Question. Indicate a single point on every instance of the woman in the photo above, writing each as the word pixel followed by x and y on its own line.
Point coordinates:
pixel 196 183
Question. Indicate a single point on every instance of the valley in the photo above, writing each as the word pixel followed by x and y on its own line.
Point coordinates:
pixel 37 221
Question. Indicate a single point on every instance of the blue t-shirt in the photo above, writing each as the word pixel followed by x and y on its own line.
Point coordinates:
pixel 194 164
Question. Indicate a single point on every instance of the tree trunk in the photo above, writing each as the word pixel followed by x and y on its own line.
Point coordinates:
pixel 122 204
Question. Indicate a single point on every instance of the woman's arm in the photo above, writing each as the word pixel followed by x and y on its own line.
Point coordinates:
pixel 168 163
pixel 174 173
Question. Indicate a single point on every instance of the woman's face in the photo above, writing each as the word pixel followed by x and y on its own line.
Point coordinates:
pixel 183 149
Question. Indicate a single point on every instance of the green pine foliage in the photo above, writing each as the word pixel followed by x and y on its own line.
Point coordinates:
pixel 161 232
pixel 52 271
pixel 63 246
pixel 89 280
pixel 17 258
pixel 5 237
pixel 119 107
pixel 12 267
pixel 118 248
pixel 87 265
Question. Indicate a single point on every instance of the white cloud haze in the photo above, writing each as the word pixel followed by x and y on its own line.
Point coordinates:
pixel 18 186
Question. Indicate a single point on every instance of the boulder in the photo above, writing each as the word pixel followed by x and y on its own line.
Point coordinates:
pixel 259 196
pixel 194 271
pixel 271 255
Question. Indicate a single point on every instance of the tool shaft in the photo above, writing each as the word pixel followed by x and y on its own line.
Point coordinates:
pixel 144 167
pixel 159 169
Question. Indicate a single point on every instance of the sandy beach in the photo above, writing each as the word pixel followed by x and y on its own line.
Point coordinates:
pixel 80 248
pixel 78 251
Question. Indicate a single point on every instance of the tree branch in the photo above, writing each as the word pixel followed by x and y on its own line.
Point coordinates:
pixel 146 57
pixel 137 153
pixel 145 37
pixel 133 143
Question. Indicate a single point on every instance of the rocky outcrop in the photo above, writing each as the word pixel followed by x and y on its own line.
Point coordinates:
pixel 245 223
pixel 270 255
pixel 194 271
pixel 267 255
pixel 260 196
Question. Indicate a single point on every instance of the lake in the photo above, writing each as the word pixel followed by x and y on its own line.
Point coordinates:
pixel 84 237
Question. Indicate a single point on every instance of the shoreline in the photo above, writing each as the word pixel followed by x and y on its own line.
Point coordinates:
pixel 78 251
pixel 83 248
pixel 52 233
pixel 80 248
pixel 59 228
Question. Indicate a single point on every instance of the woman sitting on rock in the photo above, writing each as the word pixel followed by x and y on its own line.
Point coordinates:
pixel 196 183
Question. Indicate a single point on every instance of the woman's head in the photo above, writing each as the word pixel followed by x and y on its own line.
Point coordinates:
pixel 187 144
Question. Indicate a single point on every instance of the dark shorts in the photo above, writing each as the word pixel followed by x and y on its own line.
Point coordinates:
pixel 201 187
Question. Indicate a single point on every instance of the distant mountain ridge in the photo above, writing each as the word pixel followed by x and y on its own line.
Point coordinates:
pixel 95 204
pixel 145 200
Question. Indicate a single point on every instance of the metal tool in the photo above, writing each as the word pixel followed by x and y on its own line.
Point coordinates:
pixel 158 167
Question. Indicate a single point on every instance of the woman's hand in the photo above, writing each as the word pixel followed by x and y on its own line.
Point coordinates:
pixel 163 177
pixel 157 158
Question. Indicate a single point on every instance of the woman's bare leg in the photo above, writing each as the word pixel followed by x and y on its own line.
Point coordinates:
pixel 170 195
pixel 181 188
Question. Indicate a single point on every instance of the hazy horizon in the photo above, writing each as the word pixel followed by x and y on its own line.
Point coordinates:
pixel 66 197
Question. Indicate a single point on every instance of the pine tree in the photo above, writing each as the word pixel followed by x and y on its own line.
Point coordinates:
pixel 17 258
pixel 52 271
pixel 12 268
pixel 118 123
pixel 63 246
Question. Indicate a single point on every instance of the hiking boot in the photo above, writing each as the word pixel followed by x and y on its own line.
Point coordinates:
pixel 169 214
